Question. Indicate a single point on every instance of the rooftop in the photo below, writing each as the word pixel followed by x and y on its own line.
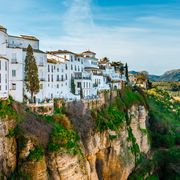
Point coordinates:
pixel 29 37
pixel 88 52
pixel 33 38
pixel 2 57
pixel 2 28
pixel 60 52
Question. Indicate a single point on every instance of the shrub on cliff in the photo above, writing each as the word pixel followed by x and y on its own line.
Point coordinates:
pixel 109 118
pixel 7 110
pixel 36 154
pixel 112 116
pixel 64 141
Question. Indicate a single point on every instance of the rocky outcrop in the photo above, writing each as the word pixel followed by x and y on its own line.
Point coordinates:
pixel 105 158
pixel 66 167
pixel 107 155
pixel 8 148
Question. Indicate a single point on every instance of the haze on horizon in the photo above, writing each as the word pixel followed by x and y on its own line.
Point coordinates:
pixel 144 33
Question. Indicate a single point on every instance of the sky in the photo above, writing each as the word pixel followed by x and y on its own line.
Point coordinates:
pixel 143 33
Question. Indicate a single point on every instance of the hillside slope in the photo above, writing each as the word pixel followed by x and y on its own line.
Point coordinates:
pixel 173 75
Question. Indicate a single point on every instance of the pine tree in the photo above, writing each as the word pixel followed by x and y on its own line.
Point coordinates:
pixel 126 73
pixel 31 73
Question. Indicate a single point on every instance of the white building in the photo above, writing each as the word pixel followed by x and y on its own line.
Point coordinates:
pixel 57 71
pixel 14 49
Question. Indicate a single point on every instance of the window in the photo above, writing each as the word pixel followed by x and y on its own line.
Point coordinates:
pixel 57 69
pixel 78 68
pixel 0 87
pixel 6 87
pixel 64 56
pixel 57 77
pixel 41 61
pixel 75 68
pixel 48 68
pixel 58 86
pixel 0 65
pixel 71 67
pixel 14 59
pixel 62 77
pixel 81 61
pixel 0 78
pixel 13 86
pixel 79 84
pixel 13 73
pixel 52 77
pixel 51 68
pixel 5 78
pixel 71 58
pixel 5 66
pixel 48 78
pixel 66 76
pixel 41 86
pixel 66 67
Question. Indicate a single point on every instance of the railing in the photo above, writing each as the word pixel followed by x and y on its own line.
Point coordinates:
pixel 42 79
pixel 14 61
pixel 41 64
pixel 80 77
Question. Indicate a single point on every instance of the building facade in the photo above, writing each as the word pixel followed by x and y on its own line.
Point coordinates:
pixel 62 73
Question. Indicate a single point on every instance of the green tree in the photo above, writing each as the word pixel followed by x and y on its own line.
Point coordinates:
pixel 72 86
pixel 126 72
pixel 31 73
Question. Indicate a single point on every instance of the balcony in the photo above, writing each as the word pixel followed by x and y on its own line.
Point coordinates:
pixel 60 80
pixel 42 79
pixel 41 64
pixel 81 75
pixel 14 61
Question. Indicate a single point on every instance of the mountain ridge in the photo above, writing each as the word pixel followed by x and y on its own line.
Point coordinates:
pixel 170 76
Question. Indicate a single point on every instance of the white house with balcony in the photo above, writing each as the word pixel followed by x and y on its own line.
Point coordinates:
pixel 14 49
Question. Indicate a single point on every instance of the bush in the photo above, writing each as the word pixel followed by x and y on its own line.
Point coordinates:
pixel 11 133
pixel 64 141
pixel 6 109
pixel 36 154
pixel 109 118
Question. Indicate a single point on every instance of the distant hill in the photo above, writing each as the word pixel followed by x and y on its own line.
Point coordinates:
pixel 173 75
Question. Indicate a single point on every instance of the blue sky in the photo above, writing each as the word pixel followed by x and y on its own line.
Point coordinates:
pixel 144 33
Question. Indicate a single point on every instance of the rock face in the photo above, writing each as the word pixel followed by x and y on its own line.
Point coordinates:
pixel 105 158
pixel 7 148
pixel 107 155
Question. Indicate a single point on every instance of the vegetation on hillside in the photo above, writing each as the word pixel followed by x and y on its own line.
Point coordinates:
pixel 165 140
pixel 113 115
pixel 173 88
pixel 63 138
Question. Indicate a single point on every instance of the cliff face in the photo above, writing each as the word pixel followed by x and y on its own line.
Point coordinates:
pixel 7 148
pixel 107 155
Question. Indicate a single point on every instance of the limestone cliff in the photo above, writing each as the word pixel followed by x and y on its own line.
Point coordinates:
pixel 7 148
pixel 107 155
